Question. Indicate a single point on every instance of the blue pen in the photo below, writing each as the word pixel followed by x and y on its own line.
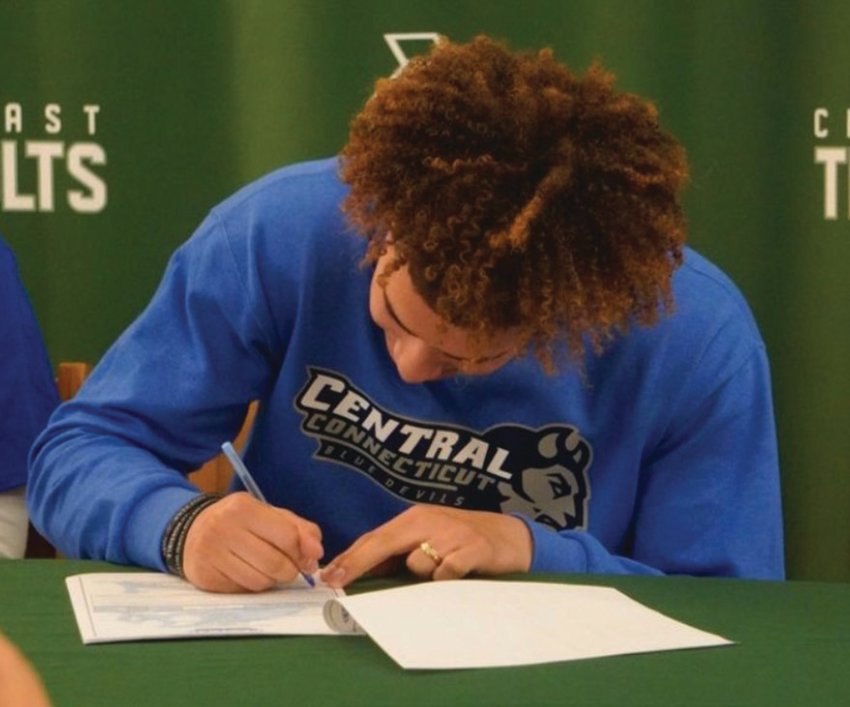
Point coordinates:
pixel 251 485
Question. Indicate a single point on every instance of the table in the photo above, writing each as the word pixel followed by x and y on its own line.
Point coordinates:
pixel 793 648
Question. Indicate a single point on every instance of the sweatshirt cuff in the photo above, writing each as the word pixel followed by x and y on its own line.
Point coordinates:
pixel 554 552
pixel 146 525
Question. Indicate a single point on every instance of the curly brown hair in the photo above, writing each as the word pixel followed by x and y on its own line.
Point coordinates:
pixel 520 195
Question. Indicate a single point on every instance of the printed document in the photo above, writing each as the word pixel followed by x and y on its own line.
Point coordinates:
pixel 135 606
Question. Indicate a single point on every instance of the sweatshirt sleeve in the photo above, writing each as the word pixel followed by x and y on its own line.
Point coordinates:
pixel 708 501
pixel 109 472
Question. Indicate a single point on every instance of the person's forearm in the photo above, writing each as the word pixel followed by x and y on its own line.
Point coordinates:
pixel 13 523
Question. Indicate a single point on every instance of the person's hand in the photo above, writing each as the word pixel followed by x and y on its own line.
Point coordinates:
pixel 240 544
pixel 438 543
pixel 20 686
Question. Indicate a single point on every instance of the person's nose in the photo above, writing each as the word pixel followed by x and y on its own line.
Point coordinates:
pixel 415 361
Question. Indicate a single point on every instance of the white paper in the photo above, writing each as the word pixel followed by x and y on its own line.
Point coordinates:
pixel 479 623
pixel 132 606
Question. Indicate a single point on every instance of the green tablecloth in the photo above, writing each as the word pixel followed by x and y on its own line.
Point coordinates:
pixel 793 648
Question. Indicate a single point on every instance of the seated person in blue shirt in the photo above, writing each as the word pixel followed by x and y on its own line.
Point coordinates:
pixel 479 345
pixel 27 397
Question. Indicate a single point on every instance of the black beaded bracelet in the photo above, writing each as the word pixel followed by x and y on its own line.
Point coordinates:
pixel 174 538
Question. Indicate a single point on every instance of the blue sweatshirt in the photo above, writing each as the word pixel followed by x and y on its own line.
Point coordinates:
pixel 661 457
pixel 27 391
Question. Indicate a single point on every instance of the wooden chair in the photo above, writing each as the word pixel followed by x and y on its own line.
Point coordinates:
pixel 212 477
pixel 70 377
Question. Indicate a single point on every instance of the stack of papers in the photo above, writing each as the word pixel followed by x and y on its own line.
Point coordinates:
pixel 137 606
pixel 431 625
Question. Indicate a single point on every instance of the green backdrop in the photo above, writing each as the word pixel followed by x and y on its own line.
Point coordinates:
pixel 123 122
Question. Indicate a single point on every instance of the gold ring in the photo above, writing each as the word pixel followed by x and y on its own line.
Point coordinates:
pixel 431 552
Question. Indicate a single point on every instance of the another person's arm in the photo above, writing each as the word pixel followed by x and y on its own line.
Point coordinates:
pixel 20 685
pixel 27 397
